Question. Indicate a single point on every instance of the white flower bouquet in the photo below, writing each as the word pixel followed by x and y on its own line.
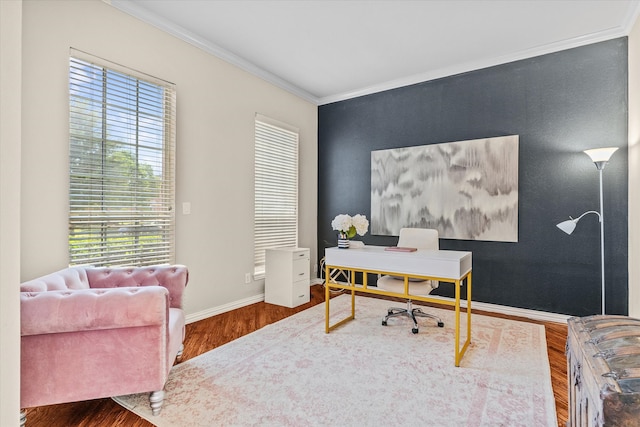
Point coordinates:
pixel 348 226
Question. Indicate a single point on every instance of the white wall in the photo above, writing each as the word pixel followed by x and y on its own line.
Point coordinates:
pixel 216 104
pixel 634 170
pixel 10 124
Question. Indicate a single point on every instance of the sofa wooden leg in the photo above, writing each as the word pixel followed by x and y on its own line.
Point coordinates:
pixel 156 399
pixel 23 417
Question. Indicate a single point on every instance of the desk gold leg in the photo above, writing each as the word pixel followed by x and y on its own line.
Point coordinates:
pixel 353 295
pixel 327 297
pixel 457 342
pixel 469 307
pixel 461 351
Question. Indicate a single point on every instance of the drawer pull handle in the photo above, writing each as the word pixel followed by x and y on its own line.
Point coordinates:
pixel 301 296
pixel 301 274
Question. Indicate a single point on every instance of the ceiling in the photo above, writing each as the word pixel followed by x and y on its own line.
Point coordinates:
pixel 326 51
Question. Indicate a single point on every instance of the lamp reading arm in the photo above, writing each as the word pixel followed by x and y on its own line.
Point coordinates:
pixel 569 225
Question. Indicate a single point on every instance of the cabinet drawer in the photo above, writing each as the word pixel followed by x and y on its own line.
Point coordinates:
pixel 301 254
pixel 300 269
pixel 300 293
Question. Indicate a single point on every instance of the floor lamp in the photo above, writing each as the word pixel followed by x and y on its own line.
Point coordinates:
pixel 600 157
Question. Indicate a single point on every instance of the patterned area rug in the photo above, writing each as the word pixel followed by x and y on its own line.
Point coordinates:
pixel 291 373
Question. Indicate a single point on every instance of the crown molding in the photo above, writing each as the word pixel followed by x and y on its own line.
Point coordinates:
pixel 477 65
pixel 632 16
pixel 624 29
pixel 151 18
pixel 147 16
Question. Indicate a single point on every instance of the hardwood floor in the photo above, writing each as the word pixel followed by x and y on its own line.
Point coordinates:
pixel 215 331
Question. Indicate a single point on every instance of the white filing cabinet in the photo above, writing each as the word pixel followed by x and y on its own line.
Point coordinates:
pixel 287 276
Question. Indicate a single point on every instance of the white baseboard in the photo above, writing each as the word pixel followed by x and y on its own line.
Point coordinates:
pixel 492 308
pixel 512 311
pixel 194 317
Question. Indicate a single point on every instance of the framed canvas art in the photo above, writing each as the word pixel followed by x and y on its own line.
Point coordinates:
pixel 466 189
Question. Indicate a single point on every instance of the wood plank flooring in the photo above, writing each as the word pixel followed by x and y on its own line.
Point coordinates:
pixel 215 331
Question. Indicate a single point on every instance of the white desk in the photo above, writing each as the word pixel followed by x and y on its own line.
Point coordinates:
pixel 445 266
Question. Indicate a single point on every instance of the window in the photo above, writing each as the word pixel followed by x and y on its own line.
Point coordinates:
pixel 276 188
pixel 121 165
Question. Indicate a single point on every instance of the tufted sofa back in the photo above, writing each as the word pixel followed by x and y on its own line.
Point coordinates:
pixel 172 277
pixel 68 278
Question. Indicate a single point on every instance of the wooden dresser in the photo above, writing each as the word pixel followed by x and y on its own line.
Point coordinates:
pixel 603 368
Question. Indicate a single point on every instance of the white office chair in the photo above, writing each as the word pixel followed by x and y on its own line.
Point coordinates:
pixel 420 238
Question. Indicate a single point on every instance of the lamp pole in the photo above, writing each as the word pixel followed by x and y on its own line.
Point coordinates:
pixel 600 157
pixel 601 217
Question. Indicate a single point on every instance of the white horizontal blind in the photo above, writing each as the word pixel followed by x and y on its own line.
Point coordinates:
pixel 276 188
pixel 121 165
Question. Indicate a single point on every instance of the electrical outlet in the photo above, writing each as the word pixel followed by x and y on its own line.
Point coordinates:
pixel 247 278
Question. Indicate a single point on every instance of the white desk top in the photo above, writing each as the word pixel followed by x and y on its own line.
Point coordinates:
pixel 442 264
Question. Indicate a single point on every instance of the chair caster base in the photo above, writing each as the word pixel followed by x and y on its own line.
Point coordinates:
pixel 384 322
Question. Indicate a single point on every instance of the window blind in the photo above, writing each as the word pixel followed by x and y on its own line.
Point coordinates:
pixel 121 165
pixel 276 188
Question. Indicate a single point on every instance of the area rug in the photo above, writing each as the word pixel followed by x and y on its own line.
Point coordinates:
pixel 291 373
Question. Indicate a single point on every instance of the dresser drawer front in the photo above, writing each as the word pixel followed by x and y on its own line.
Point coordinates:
pixel 300 293
pixel 301 254
pixel 300 270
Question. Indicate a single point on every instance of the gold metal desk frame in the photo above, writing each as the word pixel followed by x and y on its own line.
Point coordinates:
pixel 353 287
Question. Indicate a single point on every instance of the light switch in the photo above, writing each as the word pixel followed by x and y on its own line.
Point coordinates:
pixel 186 208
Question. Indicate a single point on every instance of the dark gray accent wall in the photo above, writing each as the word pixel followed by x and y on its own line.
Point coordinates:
pixel 559 104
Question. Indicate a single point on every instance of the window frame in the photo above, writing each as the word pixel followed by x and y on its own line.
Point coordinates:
pixel 276 188
pixel 121 165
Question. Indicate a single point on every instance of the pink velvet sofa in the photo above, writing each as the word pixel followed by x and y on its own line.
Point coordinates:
pixel 89 333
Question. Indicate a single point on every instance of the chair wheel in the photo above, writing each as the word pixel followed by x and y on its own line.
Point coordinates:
pixel 440 325
pixel 414 330
pixel 384 322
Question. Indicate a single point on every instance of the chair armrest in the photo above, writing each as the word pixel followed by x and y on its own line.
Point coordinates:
pixel 92 309
pixel 172 277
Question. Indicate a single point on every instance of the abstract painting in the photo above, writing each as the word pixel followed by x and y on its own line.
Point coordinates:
pixel 466 190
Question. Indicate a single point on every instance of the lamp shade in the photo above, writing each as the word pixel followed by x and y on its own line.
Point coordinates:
pixel 601 154
pixel 568 226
